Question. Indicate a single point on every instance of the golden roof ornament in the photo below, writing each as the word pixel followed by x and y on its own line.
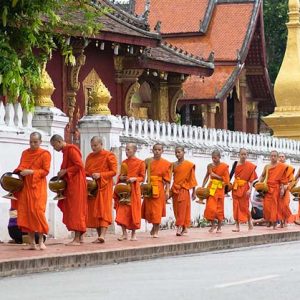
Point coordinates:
pixel 99 99
pixel 44 90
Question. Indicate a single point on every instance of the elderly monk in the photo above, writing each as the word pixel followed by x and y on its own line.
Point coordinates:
pixel 284 212
pixel 244 176
pixel 183 181
pixel 129 216
pixel 158 175
pixel 277 185
pixel 32 199
pixel 102 166
pixel 74 206
pixel 218 173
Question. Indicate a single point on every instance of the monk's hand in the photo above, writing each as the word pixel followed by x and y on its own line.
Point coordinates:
pixel 26 172
pixel 167 195
pixel 96 175
pixel 131 179
pixel 61 173
pixel 123 177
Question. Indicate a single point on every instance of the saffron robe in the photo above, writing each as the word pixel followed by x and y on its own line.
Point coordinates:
pixel 214 208
pixel 284 211
pixel 276 177
pixel 244 175
pixel 74 206
pixel 183 180
pixel 100 207
pixel 32 199
pixel 153 209
pixel 129 216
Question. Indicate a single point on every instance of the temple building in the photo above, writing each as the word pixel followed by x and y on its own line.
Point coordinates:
pixel 143 73
pixel 239 92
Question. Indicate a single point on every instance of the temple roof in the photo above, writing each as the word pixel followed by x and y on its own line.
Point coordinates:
pixel 232 29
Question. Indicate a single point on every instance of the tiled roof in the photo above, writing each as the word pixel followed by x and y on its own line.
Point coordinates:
pixel 179 11
pixel 197 88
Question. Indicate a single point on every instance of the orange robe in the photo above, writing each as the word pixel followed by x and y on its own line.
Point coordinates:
pixel 153 209
pixel 284 211
pixel 32 199
pixel 100 207
pixel 184 180
pixel 215 204
pixel 277 176
pixel 130 215
pixel 244 175
pixel 74 206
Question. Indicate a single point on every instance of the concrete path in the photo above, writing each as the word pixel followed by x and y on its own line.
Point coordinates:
pixel 15 261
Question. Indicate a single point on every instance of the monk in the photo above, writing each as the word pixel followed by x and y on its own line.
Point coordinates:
pixel 296 217
pixel 184 180
pixel 32 199
pixel 74 206
pixel 102 166
pixel 284 211
pixel 159 173
pixel 128 215
pixel 218 174
pixel 275 172
pixel 244 175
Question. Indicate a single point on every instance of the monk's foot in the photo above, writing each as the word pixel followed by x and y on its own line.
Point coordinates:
pixel 212 229
pixel 179 231
pixel 219 230
pixel 152 231
pixel 101 239
pixel 42 246
pixel 281 225
pixel 236 230
pixel 123 237
pixel 74 243
pixel 184 231
pixel 269 224
pixel 155 235
pixel 133 237
pixel 250 225
pixel 96 241
pixel 297 222
pixel 31 247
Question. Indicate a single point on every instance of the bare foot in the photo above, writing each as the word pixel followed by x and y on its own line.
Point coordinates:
pixel 101 239
pixel 73 243
pixel 184 230
pixel 30 247
pixel 96 241
pixel 212 229
pixel 122 237
pixel 179 231
pixel 42 246
pixel 235 230
pixel 133 237
pixel 219 230
pixel 152 231
pixel 250 226
pixel 155 235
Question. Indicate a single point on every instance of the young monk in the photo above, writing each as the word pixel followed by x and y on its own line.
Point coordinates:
pixel 244 175
pixel 154 207
pixel 102 166
pixel 74 206
pixel 277 185
pixel 32 199
pixel 218 173
pixel 183 181
pixel 284 212
pixel 129 216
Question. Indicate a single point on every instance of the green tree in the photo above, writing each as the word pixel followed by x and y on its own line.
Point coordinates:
pixel 29 31
pixel 275 16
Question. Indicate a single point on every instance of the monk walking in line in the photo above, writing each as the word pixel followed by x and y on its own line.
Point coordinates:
pixel 74 206
pixel 183 181
pixel 284 211
pixel 101 165
pixel 277 185
pixel 218 174
pixel 158 175
pixel 32 199
pixel 128 215
pixel 244 175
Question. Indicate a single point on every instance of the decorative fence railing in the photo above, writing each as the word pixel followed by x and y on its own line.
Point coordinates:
pixel 202 137
pixel 14 118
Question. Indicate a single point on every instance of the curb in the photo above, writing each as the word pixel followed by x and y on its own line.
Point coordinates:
pixel 87 259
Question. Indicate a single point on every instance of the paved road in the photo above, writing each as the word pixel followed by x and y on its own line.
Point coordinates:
pixel 268 272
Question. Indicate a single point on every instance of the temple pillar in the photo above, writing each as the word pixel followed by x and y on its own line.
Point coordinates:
pixel 221 116
pixel 160 99
pixel 252 120
pixel 211 115
pixel 240 105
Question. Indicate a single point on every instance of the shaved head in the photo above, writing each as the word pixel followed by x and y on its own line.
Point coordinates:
pixel 56 138
pixel 97 139
pixel 132 145
pixel 36 134
pixel 180 148
pixel 216 153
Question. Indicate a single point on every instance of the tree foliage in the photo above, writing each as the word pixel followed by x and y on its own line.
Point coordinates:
pixel 29 31
pixel 275 16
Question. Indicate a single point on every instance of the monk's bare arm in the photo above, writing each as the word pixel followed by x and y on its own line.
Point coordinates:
pixel 205 179
pixel 263 175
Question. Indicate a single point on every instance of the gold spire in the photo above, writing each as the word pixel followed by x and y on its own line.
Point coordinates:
pixel 285 121
pixel 99 99
pixel 44 90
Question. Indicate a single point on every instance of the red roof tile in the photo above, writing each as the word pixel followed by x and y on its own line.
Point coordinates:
pixel 175 15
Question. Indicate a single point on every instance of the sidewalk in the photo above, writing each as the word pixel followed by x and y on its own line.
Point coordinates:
pixel 15 261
